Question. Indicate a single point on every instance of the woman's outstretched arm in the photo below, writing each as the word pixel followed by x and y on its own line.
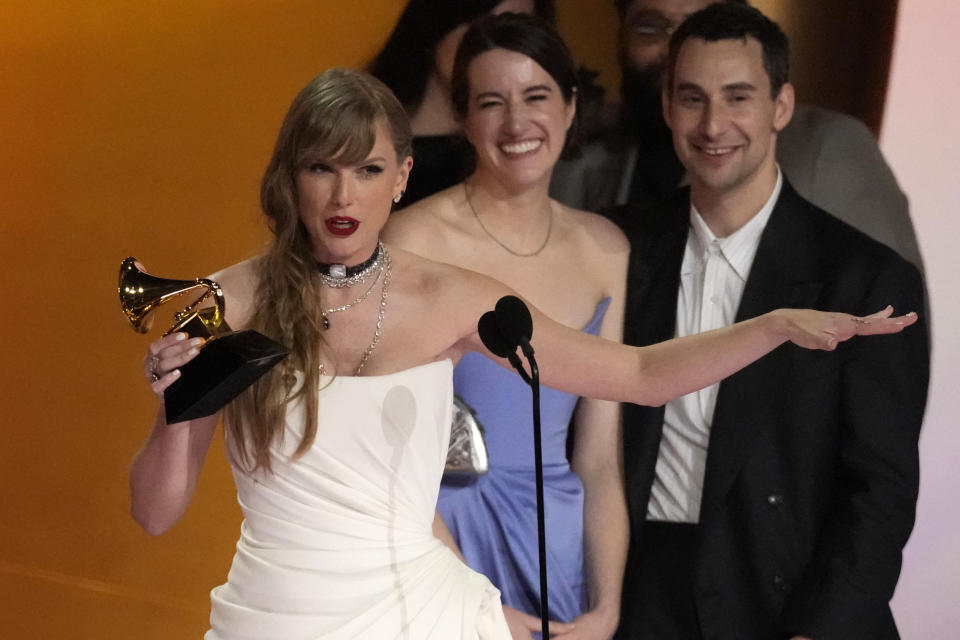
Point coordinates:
pixel 655 374
pixel 589 366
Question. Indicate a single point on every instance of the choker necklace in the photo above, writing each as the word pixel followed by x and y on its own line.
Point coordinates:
pixel 495 239
pixel 386 270
pixel 340 275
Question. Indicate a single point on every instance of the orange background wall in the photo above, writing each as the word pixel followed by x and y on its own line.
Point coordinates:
pixel 136 128
pixel 127 128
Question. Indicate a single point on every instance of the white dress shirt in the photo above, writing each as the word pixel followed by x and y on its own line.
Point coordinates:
pixel 712 277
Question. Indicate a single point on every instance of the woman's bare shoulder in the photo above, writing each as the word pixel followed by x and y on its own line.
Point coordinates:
pixel 446 283
pixel 442 299
pixel 238 276
pixel 418 226
pixel 239 283
pixel 434 274
pixel 597 229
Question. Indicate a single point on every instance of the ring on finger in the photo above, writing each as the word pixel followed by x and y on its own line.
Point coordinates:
pixel 154 376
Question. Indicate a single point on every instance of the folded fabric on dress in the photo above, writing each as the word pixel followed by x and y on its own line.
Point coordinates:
pixel 338 543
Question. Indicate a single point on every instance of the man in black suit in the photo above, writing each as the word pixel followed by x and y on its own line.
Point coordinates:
pixel 832 158
pixel 776 504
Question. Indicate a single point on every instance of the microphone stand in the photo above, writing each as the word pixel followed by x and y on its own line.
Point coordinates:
pixel 534 382
pixel 502 331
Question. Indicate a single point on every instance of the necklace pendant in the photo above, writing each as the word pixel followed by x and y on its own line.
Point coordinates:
pixel 325 322
pixel 341 276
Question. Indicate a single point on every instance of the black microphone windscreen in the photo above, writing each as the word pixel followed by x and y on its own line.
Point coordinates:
pixel 514 319
pixel 492 338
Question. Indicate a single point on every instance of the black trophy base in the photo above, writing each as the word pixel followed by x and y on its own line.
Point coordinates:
pixel 224 367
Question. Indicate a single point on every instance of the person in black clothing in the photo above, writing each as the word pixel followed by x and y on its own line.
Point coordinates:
pixel 776 504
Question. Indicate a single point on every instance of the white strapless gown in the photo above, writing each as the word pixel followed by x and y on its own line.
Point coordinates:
pixel 339 543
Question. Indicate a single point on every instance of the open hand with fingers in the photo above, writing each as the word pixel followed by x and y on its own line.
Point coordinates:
pixel 825 330
pixel 161 366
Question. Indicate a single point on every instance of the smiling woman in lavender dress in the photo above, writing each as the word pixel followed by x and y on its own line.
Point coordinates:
pixel 514 91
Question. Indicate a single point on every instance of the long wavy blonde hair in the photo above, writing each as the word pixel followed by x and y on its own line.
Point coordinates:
pixel 336 117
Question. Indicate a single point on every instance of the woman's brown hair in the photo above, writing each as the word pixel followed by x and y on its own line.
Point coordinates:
pixel 334 117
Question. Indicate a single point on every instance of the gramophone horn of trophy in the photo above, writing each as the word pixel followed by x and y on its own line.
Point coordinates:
pixel 228 362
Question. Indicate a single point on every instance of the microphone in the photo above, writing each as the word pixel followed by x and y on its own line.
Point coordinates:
pixel 516 325
pixel 502 330
pixel 494 340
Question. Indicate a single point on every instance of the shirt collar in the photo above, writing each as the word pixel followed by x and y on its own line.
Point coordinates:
pixel 739 247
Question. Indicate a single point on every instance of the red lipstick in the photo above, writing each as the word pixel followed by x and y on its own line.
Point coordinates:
pixel 341 225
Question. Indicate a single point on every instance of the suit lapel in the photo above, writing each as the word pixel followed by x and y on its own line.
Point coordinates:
pixel 657 238
pixel 654 278
pixel 784 274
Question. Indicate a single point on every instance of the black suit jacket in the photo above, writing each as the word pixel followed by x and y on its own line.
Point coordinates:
pixel 812 469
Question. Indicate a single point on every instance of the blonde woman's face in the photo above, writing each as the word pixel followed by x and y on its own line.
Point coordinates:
pixel 344 206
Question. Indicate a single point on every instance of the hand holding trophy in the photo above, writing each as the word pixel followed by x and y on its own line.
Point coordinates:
pixel 228 361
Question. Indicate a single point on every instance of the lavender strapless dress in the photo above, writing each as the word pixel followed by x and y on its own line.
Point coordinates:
pixel 494 518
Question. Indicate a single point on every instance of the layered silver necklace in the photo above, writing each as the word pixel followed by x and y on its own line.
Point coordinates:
pixel 340 276
pixel 325 313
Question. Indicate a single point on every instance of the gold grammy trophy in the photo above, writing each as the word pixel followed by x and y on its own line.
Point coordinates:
pixel 228 362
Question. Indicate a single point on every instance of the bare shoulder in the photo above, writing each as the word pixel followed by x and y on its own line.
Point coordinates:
pixel 239 283
pixel 406 228
pixel 440 280
pixel 446 297
pixel 596 229
pixel 602 250
pixel 418 227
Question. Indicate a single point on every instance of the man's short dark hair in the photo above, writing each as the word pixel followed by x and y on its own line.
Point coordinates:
pixel 623 4
pixel 735 21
